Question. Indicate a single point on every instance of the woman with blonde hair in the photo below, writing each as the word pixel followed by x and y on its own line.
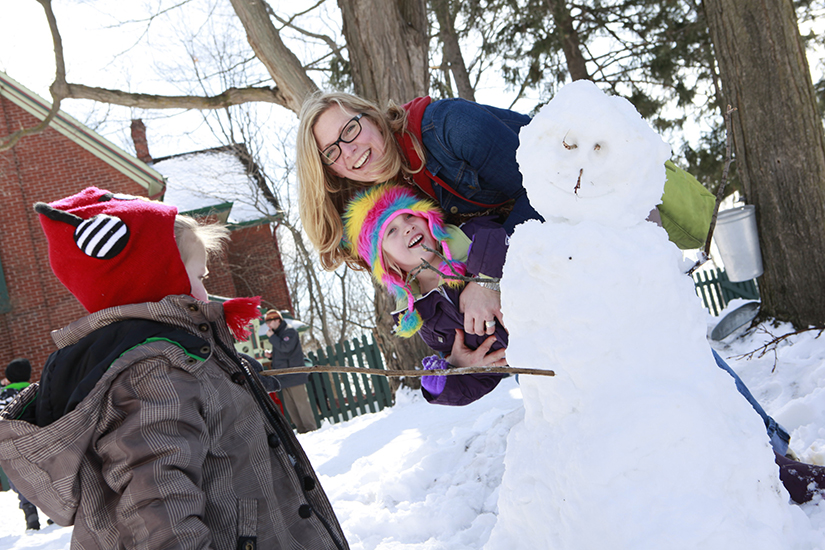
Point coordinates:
pixel 460 153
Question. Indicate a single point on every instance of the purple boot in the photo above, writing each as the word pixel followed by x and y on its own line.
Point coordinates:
pixel 802 481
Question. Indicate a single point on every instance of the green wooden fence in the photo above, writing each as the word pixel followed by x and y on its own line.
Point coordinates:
pixel 341 396
pixel 716 290
pixel 4 481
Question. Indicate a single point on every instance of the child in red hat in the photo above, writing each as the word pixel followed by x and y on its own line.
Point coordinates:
pixel 147 429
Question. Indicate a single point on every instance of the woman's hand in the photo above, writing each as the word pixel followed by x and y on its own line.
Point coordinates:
pixel 462 356
pixel 481 307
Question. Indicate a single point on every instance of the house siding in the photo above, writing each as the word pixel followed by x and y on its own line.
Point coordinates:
pixel 40 168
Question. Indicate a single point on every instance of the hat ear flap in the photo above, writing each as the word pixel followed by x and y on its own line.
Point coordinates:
pixel 408 324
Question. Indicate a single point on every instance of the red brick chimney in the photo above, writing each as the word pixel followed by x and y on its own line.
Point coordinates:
pixel 139 139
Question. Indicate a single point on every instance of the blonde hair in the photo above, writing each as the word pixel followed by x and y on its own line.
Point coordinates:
pixel 190 232
pixel 322 195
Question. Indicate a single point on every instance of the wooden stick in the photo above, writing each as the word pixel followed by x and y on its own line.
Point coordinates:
pixel 720 193
pixel 411 373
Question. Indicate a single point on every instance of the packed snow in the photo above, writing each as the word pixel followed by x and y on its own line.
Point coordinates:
pixel 600 295
pixel 639 441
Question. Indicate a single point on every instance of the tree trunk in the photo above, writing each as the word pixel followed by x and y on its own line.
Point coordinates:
pixel 569 38
pixel 780 149
pixel 452 49
pixel 387 43
pixel 399 353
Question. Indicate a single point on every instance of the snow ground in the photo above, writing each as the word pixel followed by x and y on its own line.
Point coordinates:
pixel 418 476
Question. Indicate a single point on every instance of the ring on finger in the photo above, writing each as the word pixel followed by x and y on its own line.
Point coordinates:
pixel 489 324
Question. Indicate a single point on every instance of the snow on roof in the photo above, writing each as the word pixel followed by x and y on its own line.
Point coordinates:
pixel 210 178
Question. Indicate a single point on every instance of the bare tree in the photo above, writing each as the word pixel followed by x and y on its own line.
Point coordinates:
pixel 387 43
pixel 452 64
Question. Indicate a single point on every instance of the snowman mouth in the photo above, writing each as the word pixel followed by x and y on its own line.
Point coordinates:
pixel 584 188
pixel 415 241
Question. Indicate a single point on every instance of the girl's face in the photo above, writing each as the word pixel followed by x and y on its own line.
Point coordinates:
pixel 404 240
pixel 358 157
pixel 196 269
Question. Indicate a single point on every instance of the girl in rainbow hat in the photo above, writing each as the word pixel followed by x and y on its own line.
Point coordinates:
pixel 396 233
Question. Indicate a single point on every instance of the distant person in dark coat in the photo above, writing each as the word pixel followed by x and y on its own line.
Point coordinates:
pixel 287 352
pixel 18 375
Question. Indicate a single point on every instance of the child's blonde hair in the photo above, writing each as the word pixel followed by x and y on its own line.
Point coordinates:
pixel 322 195
pixel 190 232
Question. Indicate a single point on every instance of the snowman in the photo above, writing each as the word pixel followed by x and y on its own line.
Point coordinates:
pixel 640 440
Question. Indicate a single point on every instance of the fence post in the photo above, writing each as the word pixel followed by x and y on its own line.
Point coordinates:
pixel 345 383
pixel 339 397
pixel 354 381
pixel 374 359
pixel 369 392
pixel 717 291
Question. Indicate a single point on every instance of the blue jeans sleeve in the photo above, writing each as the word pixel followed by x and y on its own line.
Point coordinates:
pixel 486 140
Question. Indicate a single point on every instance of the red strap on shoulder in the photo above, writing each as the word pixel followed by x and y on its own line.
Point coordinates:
pixel 423 178
pixel 415 113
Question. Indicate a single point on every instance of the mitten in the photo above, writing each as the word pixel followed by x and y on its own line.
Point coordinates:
pixel 434 384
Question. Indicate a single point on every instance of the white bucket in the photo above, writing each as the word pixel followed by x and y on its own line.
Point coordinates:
pixel 738 243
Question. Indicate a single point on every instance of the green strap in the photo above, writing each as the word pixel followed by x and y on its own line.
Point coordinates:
pixel 158 339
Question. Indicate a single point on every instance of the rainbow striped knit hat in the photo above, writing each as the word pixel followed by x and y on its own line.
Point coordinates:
pixel 365 222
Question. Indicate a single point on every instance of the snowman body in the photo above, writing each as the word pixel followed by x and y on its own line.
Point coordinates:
pixel 640 440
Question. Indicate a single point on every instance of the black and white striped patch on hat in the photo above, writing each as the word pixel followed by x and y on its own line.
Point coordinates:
pixel 102 237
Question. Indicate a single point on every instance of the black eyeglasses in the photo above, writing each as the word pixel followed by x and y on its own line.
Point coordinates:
pixel 351 131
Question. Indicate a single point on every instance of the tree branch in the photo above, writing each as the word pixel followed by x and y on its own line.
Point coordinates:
pixel 720 193
pixel 336 49
pixel 455 276
pixel 57 89
pixel 283 66
pixel 229 97
pixel 774 343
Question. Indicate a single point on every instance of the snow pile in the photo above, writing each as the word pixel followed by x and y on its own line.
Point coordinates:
pixel 788 380
pixel 640 441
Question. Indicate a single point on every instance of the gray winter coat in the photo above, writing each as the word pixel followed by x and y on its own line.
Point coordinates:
pixel 170 448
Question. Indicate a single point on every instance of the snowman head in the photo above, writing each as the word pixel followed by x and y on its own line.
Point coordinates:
pixel 590 156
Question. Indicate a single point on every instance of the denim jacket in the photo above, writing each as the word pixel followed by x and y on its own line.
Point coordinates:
pixel 472 147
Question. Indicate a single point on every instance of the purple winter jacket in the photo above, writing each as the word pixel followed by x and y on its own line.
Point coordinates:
pixel 439 311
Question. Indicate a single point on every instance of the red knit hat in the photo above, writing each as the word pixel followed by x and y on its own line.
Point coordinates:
pixel 111 250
